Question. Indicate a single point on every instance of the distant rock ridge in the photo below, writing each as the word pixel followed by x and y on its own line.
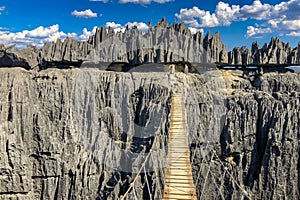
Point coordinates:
pixel 276 52
pixel 68 51
pixel 16 59
pixel 162 43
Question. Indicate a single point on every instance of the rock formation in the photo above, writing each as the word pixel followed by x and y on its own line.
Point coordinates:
pixel 239 56
pixel 69 52
pixel 162 43
pixel 30 54
pixel 10 59
pixel 63 133
pixel 274 53
pixel 84 133
pixel 215 49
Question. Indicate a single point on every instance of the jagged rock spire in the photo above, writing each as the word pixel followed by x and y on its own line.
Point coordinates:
pixel 166 46
pixel 163 23
pixel 150 24
pixel 276 52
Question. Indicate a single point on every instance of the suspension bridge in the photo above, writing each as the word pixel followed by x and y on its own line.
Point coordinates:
pixel 177 175
pixel 178 178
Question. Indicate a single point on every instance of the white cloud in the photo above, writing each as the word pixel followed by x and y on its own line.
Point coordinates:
pixel 144 1
pixel 40 35
pixel 294 34
pixel 36 36
pixel 273 23
pixel 42 32
pixel 289 25
pixel 288 10
pixel 253 32
pixel 115 27
pixel 286 18
pixel 257 10
pixel 195 30
pixel 86 34
pixel 140 25
pixel 283 17
pixel 194 15
pixel 226 13
pixel 2 8
pixel 84 14
pixel 119 28
pixel 223 16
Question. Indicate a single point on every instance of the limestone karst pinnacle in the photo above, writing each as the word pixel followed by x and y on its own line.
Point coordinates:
pixel 162 43
pixel 274 53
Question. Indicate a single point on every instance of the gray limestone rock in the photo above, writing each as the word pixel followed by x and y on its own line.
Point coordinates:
pixel 12 60
pixel 31 54
pixel 83 133
pixel 274 53
pixel 69 52
pixel 239 56
pixel 68 134
pixel 160 44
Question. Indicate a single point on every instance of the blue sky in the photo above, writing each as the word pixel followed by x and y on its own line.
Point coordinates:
pixel 38 21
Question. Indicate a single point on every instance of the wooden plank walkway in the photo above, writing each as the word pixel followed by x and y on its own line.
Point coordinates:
pixel 179 182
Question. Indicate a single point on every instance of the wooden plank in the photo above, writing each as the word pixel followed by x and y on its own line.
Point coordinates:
pixel 178 172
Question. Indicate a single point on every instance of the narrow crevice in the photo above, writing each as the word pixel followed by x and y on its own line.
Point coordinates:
pixel 256 157
pixel 10 108
pixel 13 193
pixel 8 155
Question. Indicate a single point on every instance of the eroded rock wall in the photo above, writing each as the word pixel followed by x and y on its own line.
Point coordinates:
pixel 69 134
pixel 79 134
pixel 259 142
